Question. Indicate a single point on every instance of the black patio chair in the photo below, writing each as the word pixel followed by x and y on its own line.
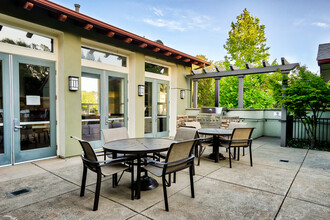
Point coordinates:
pixel 101 168
pixel 179 157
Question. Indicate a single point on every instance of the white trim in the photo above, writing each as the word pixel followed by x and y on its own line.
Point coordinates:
pixel 27 52
pixel 103 66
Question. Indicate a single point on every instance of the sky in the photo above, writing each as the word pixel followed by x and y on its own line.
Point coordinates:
pixel 293 28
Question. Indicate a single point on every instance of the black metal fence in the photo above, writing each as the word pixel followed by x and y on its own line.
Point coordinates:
pixel 299 132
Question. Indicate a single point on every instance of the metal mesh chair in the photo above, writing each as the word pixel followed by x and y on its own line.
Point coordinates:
pixel 241 138
pixel 101 168
pixel 178 157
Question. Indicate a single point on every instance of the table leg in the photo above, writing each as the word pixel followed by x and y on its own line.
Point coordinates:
pixel 216 148
pixel 115 176
pixel 138 178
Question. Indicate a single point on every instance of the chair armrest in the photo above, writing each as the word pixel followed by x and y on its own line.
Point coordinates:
pixel 174 163
pixel 105 162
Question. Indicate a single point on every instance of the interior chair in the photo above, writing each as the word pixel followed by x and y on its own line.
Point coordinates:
pixel 178 157
pixel 241 138
pixel 101 168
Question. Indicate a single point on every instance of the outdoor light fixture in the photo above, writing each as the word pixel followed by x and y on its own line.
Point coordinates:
pixel 141 90
pixel 182 94
pixel 73 83
pixel 29 35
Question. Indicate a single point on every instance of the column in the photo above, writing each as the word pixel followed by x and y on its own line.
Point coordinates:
pixel 217 92
pixel 195 93
pixel 284 113
pixel 240 91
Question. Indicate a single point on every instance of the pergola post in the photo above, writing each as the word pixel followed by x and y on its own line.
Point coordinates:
pixel 217 92
pixel 284 116
pixel 240 90
pixel 195 93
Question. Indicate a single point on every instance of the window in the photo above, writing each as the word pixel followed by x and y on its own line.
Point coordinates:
pixel 25 39
pixel 103 57
pixel 153 68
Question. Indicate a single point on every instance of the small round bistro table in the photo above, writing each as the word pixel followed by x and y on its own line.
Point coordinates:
pixel 139 147
pixel 216 133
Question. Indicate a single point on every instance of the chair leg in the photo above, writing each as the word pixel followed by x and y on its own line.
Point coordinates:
pixel 192 181
pixel 169 179
pixel 234 153
pixel 83 182
pixel 201 150
pixel 229 157
pixel 238 152
pixel 243 151
pixel 174 177
pixel 97 191
pixel 250 155
pixel 165 193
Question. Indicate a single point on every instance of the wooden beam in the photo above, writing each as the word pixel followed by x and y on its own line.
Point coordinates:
pixel 62 17
pixel 284 61
pixel 110 34
pixel 269 69
pixel 232 67
pixel 194 62
pixel 249 65
pixel 128 40
pixel 28 6
pixel 186 60
pixel 178 57
pixel 143 45
pixel 168 53
pixel 219 69
pixel 207 70
pixel 88 27
pixel 265 63
pixel 156 49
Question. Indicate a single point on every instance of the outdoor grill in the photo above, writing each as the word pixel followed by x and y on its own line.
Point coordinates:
pixel 211 117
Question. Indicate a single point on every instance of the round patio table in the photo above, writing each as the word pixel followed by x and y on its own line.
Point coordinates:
pixel 139 147
pixel 216 133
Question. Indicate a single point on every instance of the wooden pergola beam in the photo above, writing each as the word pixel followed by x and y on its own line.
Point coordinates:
pixel 267 69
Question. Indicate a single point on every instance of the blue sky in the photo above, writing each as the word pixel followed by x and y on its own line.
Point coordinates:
pixel 294 29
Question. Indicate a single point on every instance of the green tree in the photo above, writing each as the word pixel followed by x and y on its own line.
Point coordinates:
pixel 307 98
pixel 246 41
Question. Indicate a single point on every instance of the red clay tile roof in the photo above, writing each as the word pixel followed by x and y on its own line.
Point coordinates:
pixel 89 23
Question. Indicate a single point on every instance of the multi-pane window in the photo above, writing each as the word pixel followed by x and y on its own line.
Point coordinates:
pixel 103 57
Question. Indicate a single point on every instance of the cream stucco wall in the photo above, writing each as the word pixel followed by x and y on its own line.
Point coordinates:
pixel 69 103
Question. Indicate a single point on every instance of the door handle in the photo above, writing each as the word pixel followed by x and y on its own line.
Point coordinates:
pixel 17 126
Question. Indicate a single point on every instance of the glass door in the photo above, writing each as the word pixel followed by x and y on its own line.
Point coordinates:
pixel 103 103
pixel 34 122
pixel 156 108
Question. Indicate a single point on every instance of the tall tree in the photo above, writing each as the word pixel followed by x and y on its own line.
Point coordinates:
pixel 246 41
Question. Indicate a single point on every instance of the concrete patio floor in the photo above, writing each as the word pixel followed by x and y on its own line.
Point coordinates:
pixel 298 189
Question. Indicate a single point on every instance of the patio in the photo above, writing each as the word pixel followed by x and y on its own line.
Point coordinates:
pixel 271 189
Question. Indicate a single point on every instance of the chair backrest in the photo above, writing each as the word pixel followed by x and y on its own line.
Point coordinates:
pixel 88 153
pixel 179 151
pixel 233 125
pixel 195 124
pixel 241 137
pixel 185 133
pixel 114 134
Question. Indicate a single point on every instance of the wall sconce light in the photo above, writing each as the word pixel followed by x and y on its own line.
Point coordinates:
pixel 29 35
pixel 141 90
pixel 182 93
pixel 73 83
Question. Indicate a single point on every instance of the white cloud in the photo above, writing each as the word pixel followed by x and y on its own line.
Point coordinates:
pixel 158 12
pixel 181 20
pixel 320 24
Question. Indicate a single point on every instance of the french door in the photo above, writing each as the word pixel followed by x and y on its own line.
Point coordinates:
pixel 27 109
pixel 103 103
pixel 156 110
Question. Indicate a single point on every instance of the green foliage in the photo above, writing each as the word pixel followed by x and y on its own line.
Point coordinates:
pixel 246 41
pixel 89 103
pixel 307 92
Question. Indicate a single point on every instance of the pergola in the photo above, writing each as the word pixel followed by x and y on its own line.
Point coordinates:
pixel 241 73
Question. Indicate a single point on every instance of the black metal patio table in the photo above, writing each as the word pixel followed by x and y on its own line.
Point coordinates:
pixel 216 133
pixel 139 147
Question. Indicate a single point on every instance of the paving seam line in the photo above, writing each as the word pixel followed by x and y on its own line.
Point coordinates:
pixel 279 209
